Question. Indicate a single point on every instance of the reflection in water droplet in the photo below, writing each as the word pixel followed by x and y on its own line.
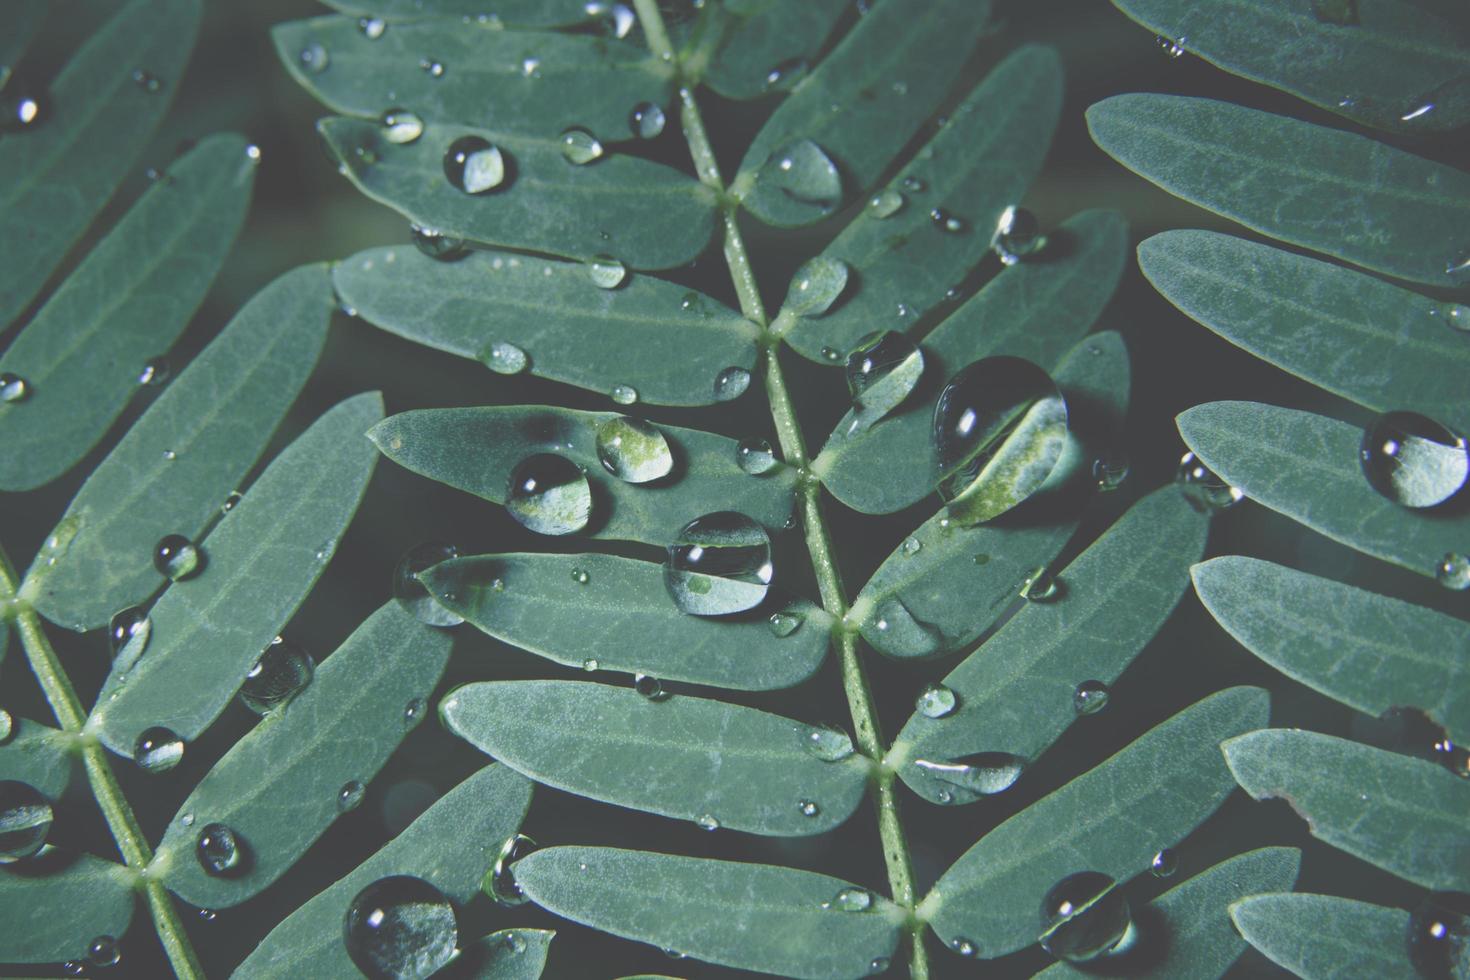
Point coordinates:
pixel 1039 586
pixel 13 388
pixel 879 964
pixel 623 394
pixel 400 927
pixel 401 126
pixel 1453 571
pixel 103 952
pixel 437 245
pixel 412 594
pixel 809 808
pixel 474 165
pixel 650 687
pixel 828 744
pixel 1083 917
pixel 783 77
pixel 25 820
pixel 504 358
pixel 220 851
pixel 783 624
pixel 882 371
pixel 731 383
pixel 1202 488
pixel 1413 460
pixel 851 899
pixel 155 372
pixel 646 120
pixel 549 494
pixel 579 146
pixel 1171 47
pixel 1438 936
pixel 350 796
pixel 633 450
pixel 7 726
pixel 1164 864
pixel 606 272
pixel 802 173
pixel 708 822
pixel 413 712
pixel 581 577
pixel 282 672
pixel 1090 697
pixel 964 947
pixel 21 109
pixel 176 557
pixel 972 777
pixel 127 636
pixel 1456 315
pixel 719 564
pixel 500 883
pixel 755 456
pixel 816 286
pixel 1110 470
pixel 314 58
pixel 371 28
pixel 885 203
pixel 1017 235
pixel 158 750
pixel 936 701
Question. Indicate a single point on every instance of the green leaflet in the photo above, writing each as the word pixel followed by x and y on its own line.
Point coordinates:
pixel 280 787
pixel 647 215
pixel 1360 201
pixel 1112 819
pixel 1306 467
pixel 54 180
pixel 260 563
pixel 451 846
pixel 770 43
pixel 860 105
pixel 508 13
pixel 621 618
pixel 1381 346
pixel 128 300
pixel 1016 692
pixel 748 916
pixel 475 450
pixel 1404 815
pixel 665 342
pixel 977 165
pixel 22 21
pixel 1186 933
pixel 1321 937
pixel 1365 650
pixel 54 907
pixel 174 468
pixel 1036 310
pixel 1392 60
pixel 510 954
pixel 39 756
pixel 543 83
pixel 682 757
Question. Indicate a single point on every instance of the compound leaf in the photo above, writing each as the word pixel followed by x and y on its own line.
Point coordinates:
pixel 1322 937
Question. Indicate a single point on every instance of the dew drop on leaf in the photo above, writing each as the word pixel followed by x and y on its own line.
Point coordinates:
pixel 606 272
pixel 1083 917
pixel 431 67
pixel 400 927
pixel 580 576
pixel 146 80
pixel 371 28
pixel 879 964
pixel 103 952
pixel 154 373
pixel 946 222
pixel 900 633
pixel 549 494
pixel 707 822
pixel 158 750
pixel 1109 470
pixel 1039 586
pixel 350 796
pixel 851 900
pixel 633 450
pixel 504 358
pixel 828 744
pixel 22 109
pixel 1202 488
pixel 1164 864
pixel 911 546
pixel 412 594
pixel 500 883
pixel 646 121
pixel 13 388
pixel 650 687
pixel 623 394
pixel 803 174
pixel 885 204
pixel 220 851
pixel 401 126
pixel 914 185
pixel 816 286
pixel 936 701
pixel 1017 236
pixel 474 165
pixel 127 636
pixel 579 146
pixel 177 558
pixel 809 808
pixel 974 776
pixel 590 665
pixel 719 564
pixel 283 671
pixel 25 820
pixel 437 245
pixel 784 76
pixel 963 947
pixel 1413 460
pixel 783 624
pixel 314 58
pixel 1453 571
pixel 755 457
pixel 731 383
pixel 882 371
pixel 1090 697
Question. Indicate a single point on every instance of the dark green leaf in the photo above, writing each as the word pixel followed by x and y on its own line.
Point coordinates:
pixel 1381 346
pixel 862 103
pixel 770 43
pixel 39 756
pixel 1112 819
pixel 1368 651
pixel 622 618
pixel 1321 937
pixel 508 13
pixel 53 905
pixel 55 179
pixel 280 787
pixel 510 954
pixel 475 449
pixel 1360 200
pixel 1016 693
pixel 22 21
pixel 174 468
pixel 748 916
pixel 663 341
pixel 128 301
pixel 688 758
pixel 1306 467
pixel 451 846
pixel 1405 815
pixel 645 214
pixel 259 565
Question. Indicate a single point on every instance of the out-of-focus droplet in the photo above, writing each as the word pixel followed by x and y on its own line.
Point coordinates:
pixel 13 388
pixel 283 671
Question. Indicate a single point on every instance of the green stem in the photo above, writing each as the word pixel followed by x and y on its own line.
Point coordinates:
pixel 131 843
pixel 818 537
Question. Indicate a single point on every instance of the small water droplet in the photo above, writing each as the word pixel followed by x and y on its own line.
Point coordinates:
pixel 936 701
pixel 816 286
pixel 413 712
pixel 828 744
pixel 158 750
pixel 580 576
pixel 400 927
pixel 13 388
pixel 590 665
pixel 474 165
pixel 946 222
pixel 1171 47
pixel 633 450
pixel 851 899
pixel 783 624
pixel 103 952
pixel 412 594
pixel 146 80
pixel 1164 864
pixel 437 245
pixel 831 354
pixel 314 58
pixel 1453 571
pixel 719 564
pixel 187 820
pixel 1438 936
pixel 623 394
pixel 531 67
pixel 646 120
pixel 504 358
pixel 913 185
pixel 127 635
pixel 500 882
pixel 731 383
pixel 549 494
pixel 21 109
pixel 402 127
pixel 372 28
pixel 1456 315
pixel 1039 586
pixel 25 820
pixel 1202 488
pixel 580 147
pixel 220 851
pixel 708 822
pixel 755 456
pixel 432 68
pixel 177 558
pixel 898 632
pixel 350 796
pixel 155 372
pixel 886 203
pixel 231 501
pixel 879 964
pixel 650 687
pixel 1017 235
pixel 969 778
pixel 1413 460
pixel 808 808
pixel 606 272
pixel 1109 471
pixel 882 371
pixel 170 455
pixel 801 173
pixel 963 947
pixel 1459 267
pixel 1083 917
pixel 911 546
pixel 283 671
pixel 1090 697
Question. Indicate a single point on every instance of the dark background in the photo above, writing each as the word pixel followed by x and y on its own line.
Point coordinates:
pixel 303 211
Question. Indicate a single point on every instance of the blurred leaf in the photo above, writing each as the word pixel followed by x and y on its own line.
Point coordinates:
pixel 747 916
pixel 643 213
pixel 1361 201
pixel 1407 816
pixel 1321 937
pixel 39 756
pixel 475 450
pixel 55 903
pixel 55 177
pixel 508 13
pixel 1306 467
pixel 128 300
pixel 1036 310
pixel 259 565
pixel 1383 347
pixel 622 619
pixel 280 787
pixel 510 954
pixel 862 103
pixel 976 166
pixel 1112 819
pixel 682 757
pixel 665 342
pixel 451 846
pixel 1378 69
pixel 1365 650
pixel 769 43
pixel 1017 692
pixel 22 21
pixel 1186 933
pixel 174 468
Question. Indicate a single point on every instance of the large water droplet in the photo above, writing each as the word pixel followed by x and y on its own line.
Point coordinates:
pixel 177 558
pixel 755 457
pixel 816 286
pixel 719 564
pixel 503 358
pixel 579 146
pixel 1438 936
pixel 412 594
pixel 828 744
pixel 282 672
pixel 220 851
pixel 549 494
pixel 1090 697
pixel 158 750
pixel 606 272
pixel 127 636
pixel 1343 13
pixel 633 450
pixel 882 371
pixel 314 58
pixel 25 820
pixel 350 796
pixel 500 883
pixel 13 388
pixel 886 203
pixel 1084 916
pixel 1202 488
pixel 646 121
pixel 103 952
pixel 1453 571
pixel 437 245
pixel 972 777
pixel 401 126
pixel 400 927
pixel 474 165
pixel 1017 235
pixel 804 175
pixel 1413 460
pixel 731 383
pixel 851 899
pixel 936 701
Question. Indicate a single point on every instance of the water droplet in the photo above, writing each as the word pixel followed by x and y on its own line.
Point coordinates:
pixel 187 820
pixel 549 494
pixel 885 203
pixel 707 822
pixel 1343 13
pixel 580 147
pixel 504 358
pixel 913 185
pixel 816 286
pixel 972 777
pixel 531 67
pixel 590 665
pixel 1083 917
pixel 349 797
pixel 1109 471
pixel 947 222
pixel 809 808
pixel 623 394
pixel 372 28
pixel 21 109
pixel 412 594
pixel 220 851
pixel 127 636
pixel 13 388
pixel 103 952
pixel 911 547
pixel 25 820
pixel 176 557
pixel 1438 936
pixel 1171 47
pixel 1017 235
pixel 831 354
pixel 400 927
pixel 963 947
pixel 719 564
pixel 828 744
pixel 7 726
pixel 474 165
pixel 437 245
pixel 146 80
pixel 580 576
pixel 74 968
pixel 620 20
pixel 731 383
pixel 783 624
pixel 936 701
pixel 1090 697
pixel 1202 488
pixel 155 372
pixel 413 712
pixel 755 457
pixel 208 915
pixel 879 964
pixel 606 272
pixel 851 900
pixel 633 450
pixel 650 687
pixel 882 371
pixel 500 882
pixel 803 174
pixel 1164 864
pixel 231 501
pixel 314 58
pixel 158 750
pixel 282 672
pixel 785 76
pixel 432 68
pixel 1413 460
pixel 1453 571
pixel 1039 586
pixel 646 120
pixel 401 126
pixel 1456 315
